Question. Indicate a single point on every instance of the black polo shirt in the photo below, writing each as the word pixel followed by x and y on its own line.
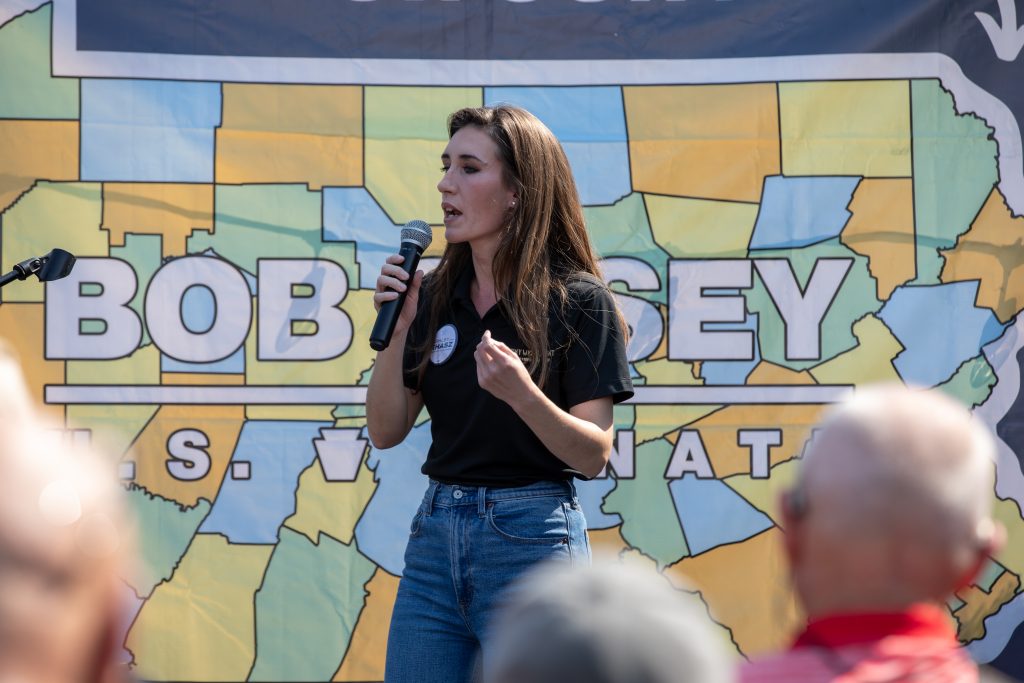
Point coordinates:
pixel 478 440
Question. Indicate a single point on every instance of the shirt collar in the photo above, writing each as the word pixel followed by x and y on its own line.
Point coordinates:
pixel 460 292
pixel 918 621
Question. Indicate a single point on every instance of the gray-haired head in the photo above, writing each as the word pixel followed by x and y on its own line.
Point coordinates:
pixel 893 502
pixel 610 623
pixel 417 232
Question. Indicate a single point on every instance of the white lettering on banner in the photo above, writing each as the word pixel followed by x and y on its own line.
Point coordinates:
pixel 68 306
pixel 760 442
pixel 623 456
pixel 188 461
pixel 803 311
pixel 232 309
pixel 279 307
pixel 689 455
pixel 687 338
pixel 693 304
pixel 646 327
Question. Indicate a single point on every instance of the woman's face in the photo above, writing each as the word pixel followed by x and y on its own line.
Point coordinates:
pixel 474 195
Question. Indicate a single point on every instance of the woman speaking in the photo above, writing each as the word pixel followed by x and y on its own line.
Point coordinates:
pixel 517 350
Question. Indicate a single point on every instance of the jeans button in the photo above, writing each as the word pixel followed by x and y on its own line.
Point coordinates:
pixel 458 494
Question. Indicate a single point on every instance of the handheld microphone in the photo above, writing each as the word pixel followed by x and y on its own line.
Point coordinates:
pixel 416 237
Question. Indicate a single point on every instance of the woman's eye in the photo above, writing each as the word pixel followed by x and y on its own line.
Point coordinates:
pixel 469 169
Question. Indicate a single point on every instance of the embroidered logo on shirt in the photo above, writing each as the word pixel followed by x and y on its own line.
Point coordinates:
pixel 444 344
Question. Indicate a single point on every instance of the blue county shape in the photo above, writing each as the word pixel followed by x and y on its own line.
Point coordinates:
pixel 712 514
pixel 796 212
pixel 129 604
pixel 940 327
pixel 383 530
pixel 198 310
pixel 351 214
pixel 732 372
pixel 591 494
pixel 590 122
pixel 148 131
pixel 251 510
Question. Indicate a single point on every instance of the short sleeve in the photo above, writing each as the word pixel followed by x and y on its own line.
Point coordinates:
pixel 595 363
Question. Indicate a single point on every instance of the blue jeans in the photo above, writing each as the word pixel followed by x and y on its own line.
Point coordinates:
pixel 466 546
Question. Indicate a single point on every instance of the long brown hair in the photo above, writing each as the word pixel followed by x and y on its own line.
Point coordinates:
pixel 544 241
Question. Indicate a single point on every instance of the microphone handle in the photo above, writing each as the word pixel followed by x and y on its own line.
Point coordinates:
pixel 389 311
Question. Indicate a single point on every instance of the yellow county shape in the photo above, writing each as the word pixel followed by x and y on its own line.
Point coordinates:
pixel 992 252
pixel 345 370
pixel 747 589
pixel 171 210
pixel 763 494
pixel 220 424
pixel 845 128
pixel 718 431
pixel 291 134
pixel 406 132
pixel 330 507
pixel 868 362
pixel 979 605
pixel 364 660
pixel 766 373
pixel 65 215
pixel 35 150
pixel 114 427
pixel 705 141
pixel 200 625
pixel 22 330
pixel 700 228
pixel 1012 556
pixel 881 227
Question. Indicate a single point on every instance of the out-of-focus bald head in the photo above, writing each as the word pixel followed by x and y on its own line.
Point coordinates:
pixel 62 542
pixel 892 504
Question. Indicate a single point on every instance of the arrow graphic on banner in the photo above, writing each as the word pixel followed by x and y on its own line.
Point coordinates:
pixel 340 452
pixel 1008 38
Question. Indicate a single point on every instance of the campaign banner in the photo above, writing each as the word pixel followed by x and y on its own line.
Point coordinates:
pixel 791 199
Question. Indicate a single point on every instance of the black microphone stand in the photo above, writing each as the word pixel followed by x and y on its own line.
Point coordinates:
pixel 55 265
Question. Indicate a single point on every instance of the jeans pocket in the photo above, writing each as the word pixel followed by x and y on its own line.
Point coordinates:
pixel 417 521
pixel 539 520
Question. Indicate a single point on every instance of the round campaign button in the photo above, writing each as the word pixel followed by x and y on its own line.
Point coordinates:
pixel 444 344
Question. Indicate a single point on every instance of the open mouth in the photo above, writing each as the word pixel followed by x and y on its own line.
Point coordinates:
pixel 450 212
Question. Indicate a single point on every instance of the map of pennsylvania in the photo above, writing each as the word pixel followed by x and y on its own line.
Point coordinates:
pixel 846 232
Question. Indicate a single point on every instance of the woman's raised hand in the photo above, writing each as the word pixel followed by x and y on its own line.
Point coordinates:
pixel 392 280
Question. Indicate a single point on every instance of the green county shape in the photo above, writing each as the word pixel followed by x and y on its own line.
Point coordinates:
pixel 989 575
pixel 308 607
pixel 114 427
pixel 199 626
pixel 867 363
pixel 855 299
pixel 330 507
pixel 623 229
pixel 955 168
pixel 143 254
pixel 65 215
pixel 972 382
pixel 271 221
pixel 165 530
pixel 650 522
pixel 406 131
pixel 29 92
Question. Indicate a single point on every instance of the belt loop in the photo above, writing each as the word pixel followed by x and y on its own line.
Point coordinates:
pixel 572 489
pixel 431 492
pixel 481 501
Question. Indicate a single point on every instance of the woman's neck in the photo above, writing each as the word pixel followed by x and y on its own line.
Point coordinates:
pixel 483 291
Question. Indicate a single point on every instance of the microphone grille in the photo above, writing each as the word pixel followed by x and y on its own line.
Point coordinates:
pixel 417 232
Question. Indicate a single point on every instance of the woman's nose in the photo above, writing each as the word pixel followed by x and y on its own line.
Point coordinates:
pixel 444 185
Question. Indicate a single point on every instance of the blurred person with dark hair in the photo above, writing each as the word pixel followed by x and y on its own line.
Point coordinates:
pixel 610 623
pixel 62 540
pixel 890 515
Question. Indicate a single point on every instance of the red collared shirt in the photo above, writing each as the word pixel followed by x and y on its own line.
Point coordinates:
pixel 916 645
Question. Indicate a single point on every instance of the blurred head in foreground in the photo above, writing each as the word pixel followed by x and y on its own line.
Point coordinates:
pixel 892 506
pixel 61 544
pixel 609 623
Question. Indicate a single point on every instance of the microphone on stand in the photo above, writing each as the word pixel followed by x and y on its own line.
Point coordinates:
pixel 55 265
pixel 416 236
